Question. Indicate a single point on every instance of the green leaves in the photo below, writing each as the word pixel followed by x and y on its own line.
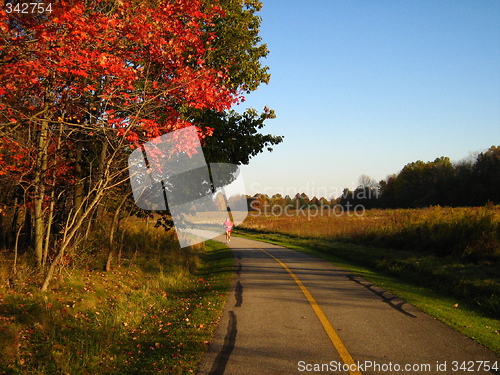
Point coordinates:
pixel 235 136
pixel 238 46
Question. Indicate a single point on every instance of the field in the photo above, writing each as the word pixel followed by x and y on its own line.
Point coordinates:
pixel 471 234
pixel 452 254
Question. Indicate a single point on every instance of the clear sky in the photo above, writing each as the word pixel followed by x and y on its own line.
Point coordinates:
pixel 367 86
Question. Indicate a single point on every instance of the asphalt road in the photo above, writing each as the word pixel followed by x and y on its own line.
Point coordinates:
pixel 291 313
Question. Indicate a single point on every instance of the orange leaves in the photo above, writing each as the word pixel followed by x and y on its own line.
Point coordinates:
pixel 132 137
pixel 14 157
pixel 79 72
pixel 121 70
pixel 78 45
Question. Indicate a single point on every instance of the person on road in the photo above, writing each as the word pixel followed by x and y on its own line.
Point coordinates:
pixel 228 224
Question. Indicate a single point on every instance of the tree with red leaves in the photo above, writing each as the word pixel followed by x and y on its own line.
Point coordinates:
pixel 84 83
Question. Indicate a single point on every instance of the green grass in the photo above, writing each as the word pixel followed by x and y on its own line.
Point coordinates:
pixel 142 318
pixel 390 269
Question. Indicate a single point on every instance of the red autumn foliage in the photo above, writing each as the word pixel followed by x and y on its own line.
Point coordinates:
pixel 118 64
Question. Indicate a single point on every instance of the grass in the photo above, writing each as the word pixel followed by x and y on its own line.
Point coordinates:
pixel 145 317
pixel 441 286
pixel 472 234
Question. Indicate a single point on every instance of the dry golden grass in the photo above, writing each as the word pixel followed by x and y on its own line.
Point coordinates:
pixel 467 232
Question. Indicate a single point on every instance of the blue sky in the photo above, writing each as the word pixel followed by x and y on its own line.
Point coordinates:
pixel 365 87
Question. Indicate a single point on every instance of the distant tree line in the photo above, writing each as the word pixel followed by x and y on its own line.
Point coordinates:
pixel 277 202
pixel 471 182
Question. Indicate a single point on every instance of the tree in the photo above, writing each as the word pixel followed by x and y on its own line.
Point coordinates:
pixel 365 195
pixel 238 47
pixel 486 174
pixel 235 138
pixel 91 80
pixel 84 85
pixel 301 200
pixel 324 202
pixel 259 202
pixel 387 195
pixel 314 203
pixel 276 201
pixel 442 172
pixel 470 182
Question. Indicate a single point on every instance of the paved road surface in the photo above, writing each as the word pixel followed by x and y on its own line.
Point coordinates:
pixel 291 313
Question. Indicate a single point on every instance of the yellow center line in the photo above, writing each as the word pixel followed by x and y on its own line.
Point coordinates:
pixel 332 334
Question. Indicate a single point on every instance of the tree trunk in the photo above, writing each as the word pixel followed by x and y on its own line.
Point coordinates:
pixel 13 225
pixel 100 172
pixel 119 258
pixel 91 201
pixel 112 230
pixel 52 201
pixel 79 186
pixel 39 184
pixel 16 246
pixel 70 231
